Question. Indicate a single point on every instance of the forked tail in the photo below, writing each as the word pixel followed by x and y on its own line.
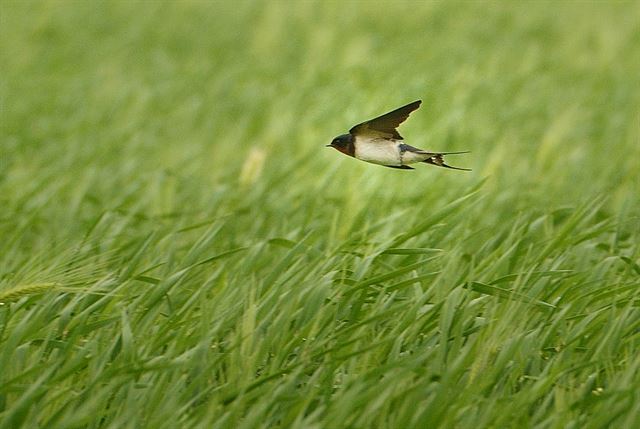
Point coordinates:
pixel 437 159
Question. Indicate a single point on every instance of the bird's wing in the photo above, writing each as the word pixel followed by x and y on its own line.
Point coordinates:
pixel 385 126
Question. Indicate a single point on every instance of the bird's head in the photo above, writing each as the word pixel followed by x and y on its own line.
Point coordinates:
pixel 343 143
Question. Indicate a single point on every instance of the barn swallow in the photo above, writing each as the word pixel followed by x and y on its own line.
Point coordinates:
pixel 377 141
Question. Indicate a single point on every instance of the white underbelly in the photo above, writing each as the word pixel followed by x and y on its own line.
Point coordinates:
pixel 386 152
pixel 412 157
pixel 378 151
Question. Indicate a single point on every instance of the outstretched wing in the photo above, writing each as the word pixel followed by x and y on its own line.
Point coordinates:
pixel 385 126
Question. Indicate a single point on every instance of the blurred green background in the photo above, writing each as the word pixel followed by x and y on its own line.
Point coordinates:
pixel 139 138
pixel 545 96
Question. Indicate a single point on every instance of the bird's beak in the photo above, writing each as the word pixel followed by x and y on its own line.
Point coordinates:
pixel 328 145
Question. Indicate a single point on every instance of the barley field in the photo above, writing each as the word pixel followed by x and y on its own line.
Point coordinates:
pixel 178 249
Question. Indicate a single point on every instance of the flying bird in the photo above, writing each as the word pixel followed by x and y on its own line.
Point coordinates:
pixel 377 141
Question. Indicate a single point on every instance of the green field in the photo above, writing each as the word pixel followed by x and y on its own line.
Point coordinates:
pixel 178 249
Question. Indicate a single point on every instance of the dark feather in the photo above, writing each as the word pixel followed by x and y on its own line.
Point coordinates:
pixel 438 160
pixel 408 148
pixel 385 126
pixel 401 167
